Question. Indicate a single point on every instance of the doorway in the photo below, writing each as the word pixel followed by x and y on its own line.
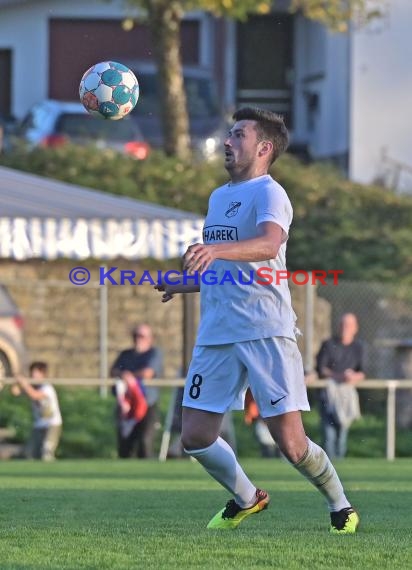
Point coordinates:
pixel 264 47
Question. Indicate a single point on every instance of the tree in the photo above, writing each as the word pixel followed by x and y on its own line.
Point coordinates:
pixel 336 14
pixel 164 19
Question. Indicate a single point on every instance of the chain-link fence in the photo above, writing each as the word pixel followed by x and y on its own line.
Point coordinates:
pixel 384 313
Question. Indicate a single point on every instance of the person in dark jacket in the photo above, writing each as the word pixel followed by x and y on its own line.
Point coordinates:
pixel 341 361
pixel 143 361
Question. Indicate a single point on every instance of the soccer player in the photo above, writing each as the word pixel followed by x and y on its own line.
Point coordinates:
pixel 247 333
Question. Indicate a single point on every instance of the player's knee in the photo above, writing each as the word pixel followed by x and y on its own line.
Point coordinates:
pixel 195 440
pixel 293 450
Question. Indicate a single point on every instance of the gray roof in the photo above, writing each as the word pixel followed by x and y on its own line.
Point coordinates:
pixel 25 195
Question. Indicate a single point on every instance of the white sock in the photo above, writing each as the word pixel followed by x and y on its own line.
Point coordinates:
pixel 318 469
pixel 220 462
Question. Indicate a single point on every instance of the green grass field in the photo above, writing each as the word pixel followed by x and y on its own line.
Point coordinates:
pixel 129 514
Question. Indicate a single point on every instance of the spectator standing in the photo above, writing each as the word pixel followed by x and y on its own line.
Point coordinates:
pixel 130 412
pixel 47 419
pixel 133 366
pixel 341 361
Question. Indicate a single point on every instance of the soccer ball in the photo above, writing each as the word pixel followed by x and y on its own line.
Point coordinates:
pixel 109 90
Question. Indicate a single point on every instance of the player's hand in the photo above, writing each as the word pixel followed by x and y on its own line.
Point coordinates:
pixel 128 377
pixel 198 257
pixel 310 377
pixel 166 289
pixel 20 379
pixel 348 375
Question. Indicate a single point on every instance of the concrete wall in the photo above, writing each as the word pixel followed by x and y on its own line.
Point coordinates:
pixel 62 320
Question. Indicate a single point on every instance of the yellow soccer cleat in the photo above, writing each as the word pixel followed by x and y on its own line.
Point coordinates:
pixel 345 521
pixel 232 515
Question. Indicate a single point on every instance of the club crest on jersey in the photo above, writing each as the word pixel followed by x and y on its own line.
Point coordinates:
pixel 233 209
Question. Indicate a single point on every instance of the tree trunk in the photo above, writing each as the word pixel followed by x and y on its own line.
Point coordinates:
pixel 165 18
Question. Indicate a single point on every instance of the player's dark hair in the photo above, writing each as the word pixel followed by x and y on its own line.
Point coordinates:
pixel 269 126
pixel 40 366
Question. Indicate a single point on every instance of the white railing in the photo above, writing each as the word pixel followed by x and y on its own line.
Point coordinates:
pixel 390 385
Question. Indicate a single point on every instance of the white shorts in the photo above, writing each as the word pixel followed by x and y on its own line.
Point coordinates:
pixel 219 376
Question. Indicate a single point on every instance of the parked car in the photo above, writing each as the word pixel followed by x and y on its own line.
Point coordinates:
pixel 208 128
pixel 13 352
pixel 53 123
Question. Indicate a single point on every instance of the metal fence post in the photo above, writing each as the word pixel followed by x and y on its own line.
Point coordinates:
pixel 308 335
pixel 103 330
pixel 390 422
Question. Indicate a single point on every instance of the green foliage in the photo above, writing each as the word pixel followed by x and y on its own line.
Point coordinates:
pixel 363 230
pixel 227 8
pixel 335 14
pixel 230 8
pixel 88 422
pixel 89 427
pixel 160 179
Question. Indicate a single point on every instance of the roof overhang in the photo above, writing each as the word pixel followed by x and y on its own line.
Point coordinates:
pixel 44 218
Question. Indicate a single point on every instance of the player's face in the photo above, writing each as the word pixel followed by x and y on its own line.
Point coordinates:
pixel 241 146
pixel 37 374
pixel 348 326
pixel 143 338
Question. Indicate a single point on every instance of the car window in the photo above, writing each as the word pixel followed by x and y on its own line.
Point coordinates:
pixel 87 126
pixel 148 102
pixel 38 118
pixel 201 98
pixel 200 92
pixel 27 122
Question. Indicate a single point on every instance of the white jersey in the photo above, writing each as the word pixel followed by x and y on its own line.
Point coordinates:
pixel 46 411
pixel 235 312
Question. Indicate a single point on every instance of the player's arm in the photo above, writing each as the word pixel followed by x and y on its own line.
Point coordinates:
pixel 117 368
pixel 146 373
pixel 357 374
pixel 352 376
pixel 323 360
pixel 327 372
pixel 154 366
pixel 169 290
pixel 264 246
pixel 28 389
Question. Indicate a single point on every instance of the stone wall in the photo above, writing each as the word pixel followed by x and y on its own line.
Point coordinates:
pixel 62 320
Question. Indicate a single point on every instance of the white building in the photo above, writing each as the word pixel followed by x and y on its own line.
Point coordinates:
pixel 380 89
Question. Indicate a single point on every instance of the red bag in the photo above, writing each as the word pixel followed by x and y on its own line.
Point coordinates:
pixel 136 399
